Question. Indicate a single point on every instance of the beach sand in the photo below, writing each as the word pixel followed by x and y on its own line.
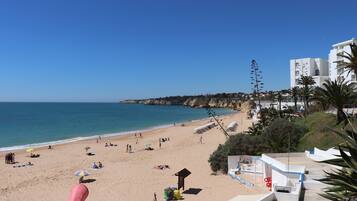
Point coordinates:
pixel 125 176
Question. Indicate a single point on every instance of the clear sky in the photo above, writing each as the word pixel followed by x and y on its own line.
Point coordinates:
pixel 86 50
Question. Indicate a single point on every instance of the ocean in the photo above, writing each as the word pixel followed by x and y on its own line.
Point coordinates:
pixel 38 124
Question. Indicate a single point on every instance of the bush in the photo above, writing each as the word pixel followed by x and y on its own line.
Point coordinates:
pixel 240 144
pixel 280 133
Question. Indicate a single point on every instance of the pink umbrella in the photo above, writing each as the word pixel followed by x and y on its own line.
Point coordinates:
pixel 79 193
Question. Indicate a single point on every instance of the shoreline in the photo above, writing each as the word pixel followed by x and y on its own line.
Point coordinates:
pixel 40 145
pixel 129 176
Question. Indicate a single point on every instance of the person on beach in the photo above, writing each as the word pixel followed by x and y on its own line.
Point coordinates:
pixel 100 165
pixel 137 141
pixel 127 148
pixel 140 135
pixel 160 144
pixel 95 166
pixel 155 197
pixel 201 139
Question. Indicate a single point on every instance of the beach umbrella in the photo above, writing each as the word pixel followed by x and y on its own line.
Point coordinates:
pixel 29 150
pixel 81 173
pixel 79 193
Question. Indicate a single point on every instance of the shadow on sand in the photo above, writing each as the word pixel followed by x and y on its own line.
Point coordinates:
pixel 192 191
pixel 88 181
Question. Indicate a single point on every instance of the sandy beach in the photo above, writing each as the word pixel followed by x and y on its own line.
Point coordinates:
pixel 125 176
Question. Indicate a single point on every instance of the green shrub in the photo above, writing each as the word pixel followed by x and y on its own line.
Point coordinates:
pixel 240 144
pixel 280 133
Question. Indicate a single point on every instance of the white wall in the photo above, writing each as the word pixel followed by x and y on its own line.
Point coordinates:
pixel 336 49
pixel 308 67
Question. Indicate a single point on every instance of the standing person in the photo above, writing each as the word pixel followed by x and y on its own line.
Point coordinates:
pixel 160 144
pixel 155 197
pixel 100 138
pixel 140 135
pixel 127 148
pixel 201 139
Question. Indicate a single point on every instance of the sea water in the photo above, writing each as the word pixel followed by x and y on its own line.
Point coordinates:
pixel 38 124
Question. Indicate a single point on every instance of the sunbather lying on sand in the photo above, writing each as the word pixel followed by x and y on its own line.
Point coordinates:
pixel 34 155
pixel 23 165
pixel 162 167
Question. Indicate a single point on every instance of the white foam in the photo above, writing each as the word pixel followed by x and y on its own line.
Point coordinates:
pixel 65 141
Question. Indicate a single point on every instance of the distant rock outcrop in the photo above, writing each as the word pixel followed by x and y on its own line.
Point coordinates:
pixel 236 101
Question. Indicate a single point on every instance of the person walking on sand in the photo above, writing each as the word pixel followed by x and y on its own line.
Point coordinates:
pixel 127 148
pixel 140 135
pixel 201 139
pixel 155 197
pixel 160 144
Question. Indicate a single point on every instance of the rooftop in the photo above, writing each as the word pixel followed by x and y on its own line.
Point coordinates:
pixel 344 43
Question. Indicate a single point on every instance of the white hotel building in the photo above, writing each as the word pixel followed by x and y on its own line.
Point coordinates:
pixel 336 72
pixel 317 68
pixel 320 69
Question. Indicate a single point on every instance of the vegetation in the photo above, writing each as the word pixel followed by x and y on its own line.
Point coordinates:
pixel 295 95
pixel 337 94
pixel 306 91
pixel 351 64
pixel 256 80
pixel 267 115
pixel 283 136
pixel 274 138
pixel 343 180
pixel 319 132
pixel 240 144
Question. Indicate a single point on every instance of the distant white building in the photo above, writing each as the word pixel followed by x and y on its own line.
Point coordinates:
pixel 315 67
pixel 336 72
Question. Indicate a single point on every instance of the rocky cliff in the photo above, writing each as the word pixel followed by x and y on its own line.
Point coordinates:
pixel 236 101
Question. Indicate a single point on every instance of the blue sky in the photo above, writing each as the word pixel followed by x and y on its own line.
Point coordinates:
pixel 110 50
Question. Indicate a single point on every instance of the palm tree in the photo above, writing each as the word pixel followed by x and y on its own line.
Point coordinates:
pixel 295 94
pixel 351 64
pixel 343 180
pixel 306 92
pixel 337 94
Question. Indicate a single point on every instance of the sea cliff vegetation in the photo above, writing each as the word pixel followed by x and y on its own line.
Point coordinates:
pixel 238 101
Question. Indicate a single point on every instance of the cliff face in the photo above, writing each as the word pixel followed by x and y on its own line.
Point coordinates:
pixel 214 101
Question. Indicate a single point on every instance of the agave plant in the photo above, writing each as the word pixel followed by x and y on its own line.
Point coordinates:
pixel 343 180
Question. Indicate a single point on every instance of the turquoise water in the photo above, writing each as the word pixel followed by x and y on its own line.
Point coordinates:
pixel 32 123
